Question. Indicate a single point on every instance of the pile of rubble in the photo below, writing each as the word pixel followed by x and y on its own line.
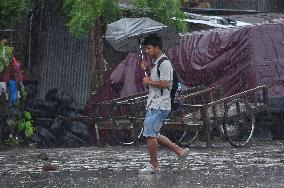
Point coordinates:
pixel 50 130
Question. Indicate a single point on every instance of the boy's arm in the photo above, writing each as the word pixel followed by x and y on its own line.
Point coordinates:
pixel 158 83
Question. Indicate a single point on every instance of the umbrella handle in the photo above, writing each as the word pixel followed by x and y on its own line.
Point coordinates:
pixel 142 55
pixel 141 51
pixel 140 47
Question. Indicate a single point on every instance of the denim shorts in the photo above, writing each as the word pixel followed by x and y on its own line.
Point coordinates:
pixel 153 122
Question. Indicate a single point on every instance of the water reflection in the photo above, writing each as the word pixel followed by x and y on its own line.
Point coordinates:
pixel 150 180
pixel 118 167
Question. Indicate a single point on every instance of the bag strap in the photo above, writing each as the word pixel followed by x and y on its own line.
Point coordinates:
pixel 158 70
pixel 159 64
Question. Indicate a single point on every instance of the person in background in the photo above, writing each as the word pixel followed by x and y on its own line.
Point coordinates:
pixel 12 77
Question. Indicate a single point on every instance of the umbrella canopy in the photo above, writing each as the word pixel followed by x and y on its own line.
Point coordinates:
pixel 127 34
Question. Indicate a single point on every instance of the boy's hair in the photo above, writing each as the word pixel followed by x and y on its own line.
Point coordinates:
pixel 153 40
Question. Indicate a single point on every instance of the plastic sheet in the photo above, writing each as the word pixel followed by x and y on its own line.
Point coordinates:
pixel 238 59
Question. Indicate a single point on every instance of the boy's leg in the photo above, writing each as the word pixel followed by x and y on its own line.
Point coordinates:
pixel 172 146
pixel 150 131
pixel 152 148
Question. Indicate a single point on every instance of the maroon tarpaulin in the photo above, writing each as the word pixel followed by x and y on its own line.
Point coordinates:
pixel 238 59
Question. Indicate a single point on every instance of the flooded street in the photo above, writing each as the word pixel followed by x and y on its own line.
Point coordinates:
pixel 259 165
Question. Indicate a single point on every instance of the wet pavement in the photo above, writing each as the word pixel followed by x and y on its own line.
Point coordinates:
pixel 259 165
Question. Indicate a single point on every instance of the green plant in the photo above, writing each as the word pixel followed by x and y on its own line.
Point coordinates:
pixel 24 124
pixel 83 14
pixel 22 91
pixel 10 142
pixel 165 11
pixel 12 11
pixel 6 53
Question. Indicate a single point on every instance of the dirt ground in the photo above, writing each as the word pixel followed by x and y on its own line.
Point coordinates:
pixel 261 164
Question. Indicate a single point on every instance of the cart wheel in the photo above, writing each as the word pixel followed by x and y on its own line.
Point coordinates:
pixel 184 138
pixel 131 135
pixel 124 136
pixel 238 122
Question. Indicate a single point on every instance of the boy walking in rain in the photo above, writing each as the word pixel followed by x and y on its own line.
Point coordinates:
pixel 158 104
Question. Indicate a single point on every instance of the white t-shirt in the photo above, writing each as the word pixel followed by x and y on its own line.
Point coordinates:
pixel 155 99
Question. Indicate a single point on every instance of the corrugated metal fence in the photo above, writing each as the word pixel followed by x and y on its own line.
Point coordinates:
pixel 259 5
pixel 64 61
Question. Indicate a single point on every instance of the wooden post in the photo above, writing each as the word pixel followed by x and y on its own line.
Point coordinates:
pixel 238 108
pixel 206 125
pixel 97 135
pixel 96 55
pixel 265 96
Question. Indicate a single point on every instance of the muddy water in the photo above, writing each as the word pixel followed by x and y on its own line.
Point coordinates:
pixel 259 165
